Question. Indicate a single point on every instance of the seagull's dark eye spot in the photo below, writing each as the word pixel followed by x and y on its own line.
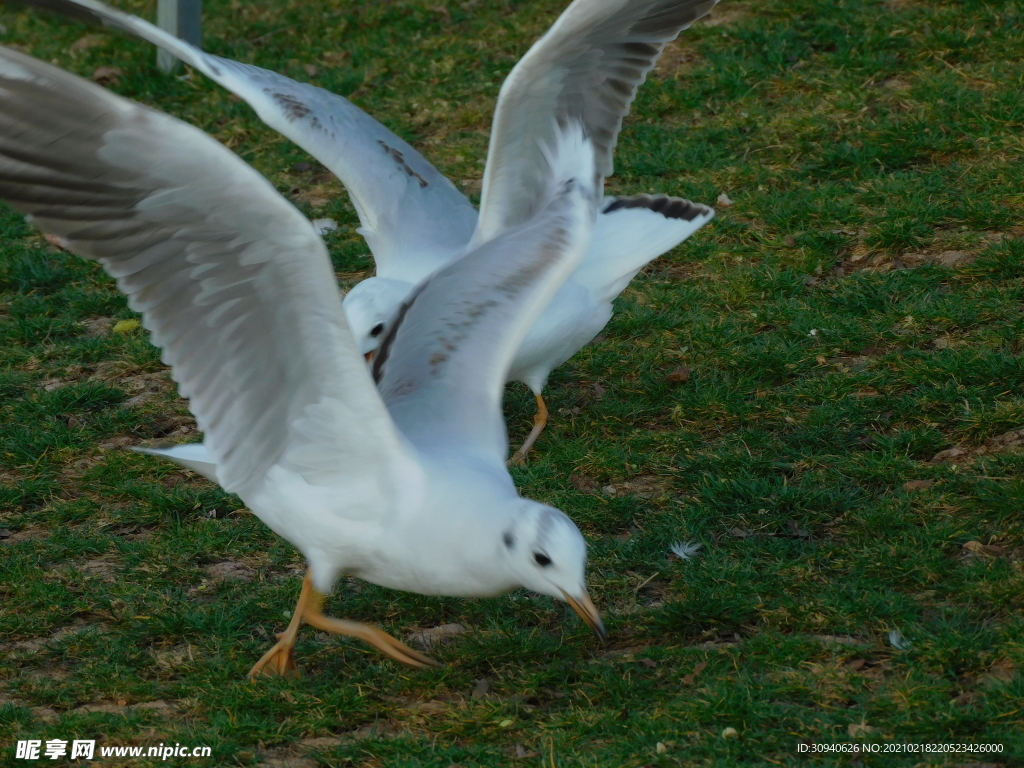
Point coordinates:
pixel 509 539
pixel 541 559
pixel 377 330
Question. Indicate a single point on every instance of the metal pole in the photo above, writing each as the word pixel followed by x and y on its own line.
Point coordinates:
pixel 182 18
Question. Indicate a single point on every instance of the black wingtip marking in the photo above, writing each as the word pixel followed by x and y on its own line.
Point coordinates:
pixel 669 207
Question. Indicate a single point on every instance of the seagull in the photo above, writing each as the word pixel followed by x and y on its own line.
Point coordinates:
pixel 414 219
pixel 401 483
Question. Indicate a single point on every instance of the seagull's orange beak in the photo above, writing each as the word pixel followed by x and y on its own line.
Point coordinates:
pixel 585 607
pixel 369 356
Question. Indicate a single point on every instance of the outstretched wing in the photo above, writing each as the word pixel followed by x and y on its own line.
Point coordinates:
pixel 232 282
pixel 587 68
pixel 443 366
pixel 413 218
pixel 631 232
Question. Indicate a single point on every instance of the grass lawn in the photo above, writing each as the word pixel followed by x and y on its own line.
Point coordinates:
pixel 822 388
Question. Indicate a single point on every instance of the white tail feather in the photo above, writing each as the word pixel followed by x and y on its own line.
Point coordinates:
pixel 570 159
pixel 191 455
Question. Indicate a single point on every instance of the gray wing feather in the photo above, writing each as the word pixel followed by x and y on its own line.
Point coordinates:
pixel 413 218
pixel 587 67
pixel 442 372
pixel 233 283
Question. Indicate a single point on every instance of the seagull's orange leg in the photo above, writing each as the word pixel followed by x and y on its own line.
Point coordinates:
pixel 278 660
pixel 378 638
pixel 540 420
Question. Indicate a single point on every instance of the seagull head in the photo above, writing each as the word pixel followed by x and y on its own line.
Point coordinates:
pixel 370 308
pixel 548 555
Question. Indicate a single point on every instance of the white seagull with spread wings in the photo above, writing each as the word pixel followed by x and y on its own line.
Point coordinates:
pixel 402 484
pixel 415 221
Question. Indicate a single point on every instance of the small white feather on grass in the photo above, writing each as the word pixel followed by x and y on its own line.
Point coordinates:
pixel 685 550
pixel 898 641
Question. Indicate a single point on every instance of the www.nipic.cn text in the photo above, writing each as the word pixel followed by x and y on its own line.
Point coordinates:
pixel 85 749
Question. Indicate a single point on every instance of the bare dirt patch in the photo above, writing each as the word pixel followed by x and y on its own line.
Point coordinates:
pixel 318 195
pixel 141 386
pixel 435 636
pixel 123 707
pixel 34 645
pixel 101 569
pixel 292 757
pixel 725 15
pixel 977 550
pixel 28 533
pixel 676 59
pixel 863 258
pixel 229 570
pixel 1008 442
pixel 640 486
pixel 282 760
pixel 173 658
pixel 418 706
pixel 584 483
pixel 97 326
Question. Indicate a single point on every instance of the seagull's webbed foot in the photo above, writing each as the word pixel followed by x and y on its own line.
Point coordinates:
pixel 540 421
pixel 378 638
pixel 278 660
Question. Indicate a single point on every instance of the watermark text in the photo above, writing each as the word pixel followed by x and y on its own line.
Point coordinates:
pixel 85 749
